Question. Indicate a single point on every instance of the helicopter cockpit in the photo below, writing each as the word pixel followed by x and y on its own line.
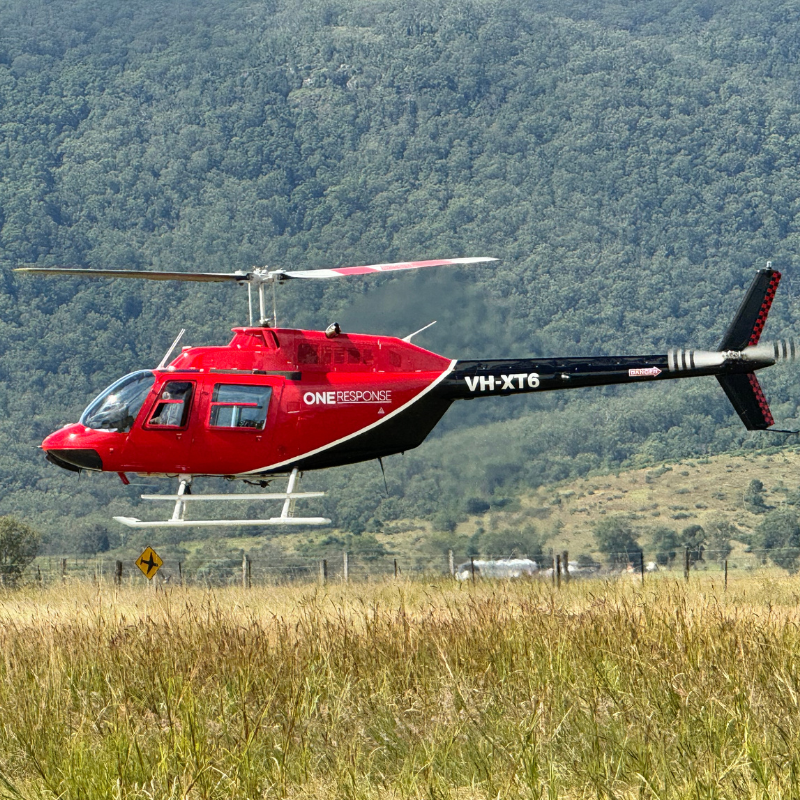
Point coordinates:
pixel 116 408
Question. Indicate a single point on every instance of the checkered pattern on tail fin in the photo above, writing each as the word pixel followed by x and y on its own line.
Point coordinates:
pixel 745 330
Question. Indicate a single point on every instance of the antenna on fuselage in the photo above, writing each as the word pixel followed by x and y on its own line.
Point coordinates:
pixel 165 360
pixel 412 335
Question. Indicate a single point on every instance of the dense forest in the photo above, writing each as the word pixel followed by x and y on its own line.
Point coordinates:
pixel 631 163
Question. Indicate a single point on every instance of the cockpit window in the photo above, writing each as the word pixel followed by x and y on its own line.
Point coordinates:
pixel 117 407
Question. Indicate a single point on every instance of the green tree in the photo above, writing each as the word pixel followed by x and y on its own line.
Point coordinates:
pixel 616 539
pixel 693 538
pixel 19 544
pixel 665 542
pixel 779 534
pixel 524 541
pixel 95 539
pixel 719 533
pixel 754 497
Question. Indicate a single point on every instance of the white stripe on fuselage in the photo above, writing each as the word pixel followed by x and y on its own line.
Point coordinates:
pixel 381 421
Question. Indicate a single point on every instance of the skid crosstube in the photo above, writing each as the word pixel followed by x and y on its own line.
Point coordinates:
pixel 185 496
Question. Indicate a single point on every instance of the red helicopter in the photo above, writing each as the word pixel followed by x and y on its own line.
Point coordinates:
pixel 280 401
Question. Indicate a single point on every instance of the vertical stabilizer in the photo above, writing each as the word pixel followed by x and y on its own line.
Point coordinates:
pixel 745 330
pixel 744 390
pixel 746 396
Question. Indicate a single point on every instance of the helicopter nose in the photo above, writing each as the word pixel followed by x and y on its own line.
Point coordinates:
pixel 69 449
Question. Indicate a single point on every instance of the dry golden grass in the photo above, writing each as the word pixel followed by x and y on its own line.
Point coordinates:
pixel 403 690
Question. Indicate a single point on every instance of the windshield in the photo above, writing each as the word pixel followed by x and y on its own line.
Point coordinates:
pixel 116 408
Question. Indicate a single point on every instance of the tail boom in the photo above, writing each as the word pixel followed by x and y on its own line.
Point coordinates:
pixel 739 356
pixel 734 369
pixel 470 379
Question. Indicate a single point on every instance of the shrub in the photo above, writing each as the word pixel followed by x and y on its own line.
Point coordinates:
pixel 779 533
pixel 19 544
pixel 719 533
pixel 693 538
pixel 523 542
pixel 665 543
pixel 616 539
pixel 754 498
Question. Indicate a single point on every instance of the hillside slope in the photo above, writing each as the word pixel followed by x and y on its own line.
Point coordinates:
pixel 631 164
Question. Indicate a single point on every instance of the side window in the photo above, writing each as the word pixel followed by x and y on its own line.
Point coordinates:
pixel 239 406
pixel 172 407
pixel 307 354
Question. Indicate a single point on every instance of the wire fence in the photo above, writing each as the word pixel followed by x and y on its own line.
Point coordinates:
pixel 347 567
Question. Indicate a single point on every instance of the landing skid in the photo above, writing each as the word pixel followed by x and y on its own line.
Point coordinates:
pixel 184 497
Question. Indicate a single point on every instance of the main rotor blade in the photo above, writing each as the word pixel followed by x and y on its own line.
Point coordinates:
pixel 204 277
pixel 342 272
pixel 258 276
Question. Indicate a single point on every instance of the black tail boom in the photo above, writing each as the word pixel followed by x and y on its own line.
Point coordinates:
pixel 739 356
pixel 503 377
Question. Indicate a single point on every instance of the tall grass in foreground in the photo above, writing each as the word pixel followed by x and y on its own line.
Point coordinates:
pixel 403 690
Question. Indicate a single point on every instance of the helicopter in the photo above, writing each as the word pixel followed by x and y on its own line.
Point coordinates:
pixel 277 402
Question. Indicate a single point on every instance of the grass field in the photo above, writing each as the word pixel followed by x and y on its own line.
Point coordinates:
pixel 398 690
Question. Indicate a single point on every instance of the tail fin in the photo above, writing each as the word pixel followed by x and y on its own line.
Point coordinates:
pixel 745 330
pixel 747 398
pixel 744 390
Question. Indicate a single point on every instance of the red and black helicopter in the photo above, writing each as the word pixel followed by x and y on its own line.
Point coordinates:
pixel 280 401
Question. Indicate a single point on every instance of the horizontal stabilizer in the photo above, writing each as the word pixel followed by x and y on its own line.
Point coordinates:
pixel 745 330
pixel 747 397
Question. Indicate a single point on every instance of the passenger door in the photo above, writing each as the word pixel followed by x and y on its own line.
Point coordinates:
pixel 234 432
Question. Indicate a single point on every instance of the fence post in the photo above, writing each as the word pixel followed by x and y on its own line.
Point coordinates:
pixel 686 563
pixel 63 569
pixel 395 568
pixel 345 567
pixel 244 571
pixel 451 563
pixel 472 567
pixel 641 566
pixel 558 571
pixel 38 575
pixel 565 565
pixel 554 570
pixel 180 573
pixel 118 573
pixel 323 572
pixel 726 574
pixel 249 573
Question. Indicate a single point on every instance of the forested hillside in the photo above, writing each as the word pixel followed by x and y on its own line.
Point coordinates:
pixel 631 163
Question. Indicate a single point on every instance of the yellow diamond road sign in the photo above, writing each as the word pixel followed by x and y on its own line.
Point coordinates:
pixel 149 563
